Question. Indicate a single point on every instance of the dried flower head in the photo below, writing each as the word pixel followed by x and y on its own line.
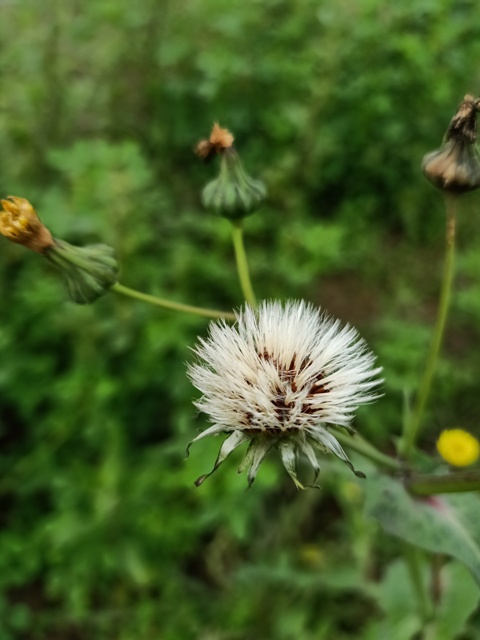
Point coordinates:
pixel 280 378
pixel 458 447
pixel 219 140
pixel 463 125
pixel 455 167
pixel 20 223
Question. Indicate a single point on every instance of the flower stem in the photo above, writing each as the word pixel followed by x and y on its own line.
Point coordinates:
pixel 367 450
pixel 414 424
pixel 242 264
pixel 413 560
pixel 423 484
pixel 169 304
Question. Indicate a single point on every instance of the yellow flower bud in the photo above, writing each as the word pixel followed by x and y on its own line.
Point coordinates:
pixel 458 447
pixel 20 223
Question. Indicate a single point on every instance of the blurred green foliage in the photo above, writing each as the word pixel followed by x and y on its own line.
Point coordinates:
pixel 332 105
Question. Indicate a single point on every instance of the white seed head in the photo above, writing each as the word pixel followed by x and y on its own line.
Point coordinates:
pixel 280 377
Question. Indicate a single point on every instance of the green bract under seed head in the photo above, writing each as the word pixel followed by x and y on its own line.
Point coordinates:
pixel 89 272
pixel 234 194
pixel 455 167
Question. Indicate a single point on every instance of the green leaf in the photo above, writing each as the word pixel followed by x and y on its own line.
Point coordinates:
pixel 438 524
pixel 397 599
pixel 459 600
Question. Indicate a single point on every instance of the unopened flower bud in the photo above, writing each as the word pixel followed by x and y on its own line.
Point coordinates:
pixel 234 194
pixel 20 223
pixel 89 271
pixel 455 167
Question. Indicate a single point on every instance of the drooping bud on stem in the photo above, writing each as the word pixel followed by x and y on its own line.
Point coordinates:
pixel 455 167
pixel 89 271
pixel 233 194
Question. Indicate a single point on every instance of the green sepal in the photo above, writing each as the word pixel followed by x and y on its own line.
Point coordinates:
pixel 89 272
pixel 234 194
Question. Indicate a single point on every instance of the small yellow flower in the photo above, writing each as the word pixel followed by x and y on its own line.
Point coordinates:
pixel 458 447
pixel 20 223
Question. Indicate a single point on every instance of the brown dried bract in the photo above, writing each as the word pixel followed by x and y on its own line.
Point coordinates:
pixel 219 140
pixel 463 125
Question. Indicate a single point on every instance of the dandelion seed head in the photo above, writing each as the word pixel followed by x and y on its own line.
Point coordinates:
pixel 279 378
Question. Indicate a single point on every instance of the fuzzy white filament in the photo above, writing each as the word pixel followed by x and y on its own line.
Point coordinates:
pixel 280 377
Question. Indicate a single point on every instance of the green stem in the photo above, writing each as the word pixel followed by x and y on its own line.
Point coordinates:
pixel 413 560
pixel 242 264
pixel 168 304
pixel 423 484
pixel 414 424
pixel 367 450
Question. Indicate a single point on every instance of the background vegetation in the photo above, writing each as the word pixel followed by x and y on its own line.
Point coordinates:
pixel 333 104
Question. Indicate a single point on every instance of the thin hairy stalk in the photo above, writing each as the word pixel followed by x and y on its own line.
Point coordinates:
pixel 423 484
pixel 169 304
pixel 413 425
pixel 367 450
pixel 413 560
pixel 242 264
